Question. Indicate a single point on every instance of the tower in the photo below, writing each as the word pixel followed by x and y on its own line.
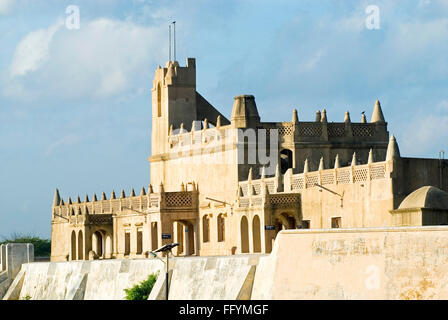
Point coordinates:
pixel 173 101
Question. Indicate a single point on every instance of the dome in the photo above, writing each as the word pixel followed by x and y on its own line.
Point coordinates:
pixel 426 197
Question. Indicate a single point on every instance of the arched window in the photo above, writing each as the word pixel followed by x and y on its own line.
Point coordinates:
pixel 139 241
pixel 80 246
pixel 256 234
pixel 244 235
pixel 221 228
pixel 73 247
pixel 285 160
pixel 205 228
pixel 159 100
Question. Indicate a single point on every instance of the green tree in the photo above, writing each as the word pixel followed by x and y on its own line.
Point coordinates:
pixel 42 247
pixel 142 290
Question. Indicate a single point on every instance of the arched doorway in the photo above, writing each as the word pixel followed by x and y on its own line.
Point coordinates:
pixel 284 221
pixel 205 229
pixel 244 229
pixel 285 160
pixel 80 246
pixel 154 236
pixel 97 243
pixel 256 234
pixel 73 246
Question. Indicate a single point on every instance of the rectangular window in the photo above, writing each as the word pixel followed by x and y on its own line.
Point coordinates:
pixel 139 242
pixel 336 222
pixel 305 224
pixel 127 243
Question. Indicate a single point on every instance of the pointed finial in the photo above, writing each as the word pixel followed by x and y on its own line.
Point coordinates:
pixel 318 116
pixel 112 196
pixel 56 199
pixel 347 117
pixel 321 164
pixel 193 126
pixel 123 195
pixel 263 172
pixel 249 177
pixel 94 197
pixel 182 187
pixel 240 192
pixel 324 116
pixel 277 171
pixel 354 159
pixel 62 202
pixel 377 115
pixel 69 201
pixel 103 196
pixel 295 117
pixel 337 163
pixel 218 121
pixel 161 188
pixel 363 118
pixel 150 189
pixel 181 130
pixel 78 199
pixel 370 157
pixel 266 189
pixel 393 152
pixel 143 192
pixel 205 123
pixel 305 166
pixel 86 199
pixel 171 130
pixel 132 193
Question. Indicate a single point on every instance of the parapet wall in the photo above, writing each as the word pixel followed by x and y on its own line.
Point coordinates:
pixel 12 256
pixel 370 263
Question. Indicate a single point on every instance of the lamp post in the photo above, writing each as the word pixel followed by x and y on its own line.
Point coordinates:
pixel 167 249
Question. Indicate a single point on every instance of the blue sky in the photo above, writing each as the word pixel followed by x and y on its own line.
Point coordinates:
pixel 75 104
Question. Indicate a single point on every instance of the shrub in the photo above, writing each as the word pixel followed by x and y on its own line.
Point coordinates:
pixel 142 290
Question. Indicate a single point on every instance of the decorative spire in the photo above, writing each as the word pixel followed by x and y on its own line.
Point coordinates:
pixel 171 130
pixel 56 199
pixel 337 164
pixel 370 157
pixel 393 152
pixel 86 200
pixel 62 202
pixel 181 130
pixel 206 123
pixel 277 171
pixel 218 121
pixel 363 118
pixel 249 177
pixel 263 172
pixel 123 195
pixel 132 193
pixel 69 200
pixel 103 196
pixel 295 117
pixel 266 189
pixel 143 192
pixel 182 187
pixel 318 116
pixel 94 197
pixel 150 189
pixel 305 166
pixel 112 196
pixel 78 199
pixel 347 117
pixel 321 164
pixel 354 159
pixel 193 126
pixel 161 188
pixel 324 116
pixel 377 115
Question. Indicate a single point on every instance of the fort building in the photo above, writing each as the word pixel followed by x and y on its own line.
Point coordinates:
pixel 222 186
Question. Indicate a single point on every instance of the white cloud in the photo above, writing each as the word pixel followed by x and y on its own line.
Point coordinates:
pixel 6 6
pixel 67 140
pixel 32 51
pixel 103 58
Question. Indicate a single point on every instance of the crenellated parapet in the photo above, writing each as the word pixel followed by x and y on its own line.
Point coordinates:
pixel 101 211
pixel 256 192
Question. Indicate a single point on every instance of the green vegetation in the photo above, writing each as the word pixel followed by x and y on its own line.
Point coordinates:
pixel 141 291
pixel 42 247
